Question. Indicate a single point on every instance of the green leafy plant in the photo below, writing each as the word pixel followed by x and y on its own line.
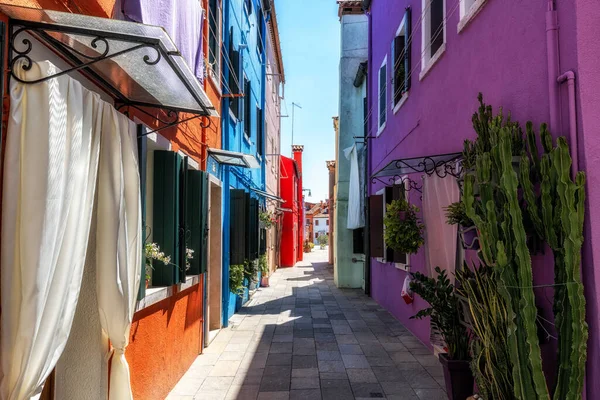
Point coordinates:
pixel 444 311
pixel 251 270
pixel 323 240
pixel 152 252
pixel 267 218
pixel 189 255
pixel 486 314
pixel 263 265
pixel 236 279
pixel 403 230
pixel 456 215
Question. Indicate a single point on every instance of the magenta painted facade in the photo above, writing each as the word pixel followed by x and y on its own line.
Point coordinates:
pixel 502 52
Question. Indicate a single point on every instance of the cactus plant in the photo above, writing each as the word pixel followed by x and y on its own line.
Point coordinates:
pixel 542 201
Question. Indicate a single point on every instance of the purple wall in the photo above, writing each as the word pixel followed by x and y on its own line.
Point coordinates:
pixel 501 53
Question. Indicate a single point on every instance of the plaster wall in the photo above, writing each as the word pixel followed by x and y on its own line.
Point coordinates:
pixel 502 53
pixel 354 50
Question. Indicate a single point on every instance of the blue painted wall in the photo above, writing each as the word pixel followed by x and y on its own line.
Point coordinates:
pixel 245 38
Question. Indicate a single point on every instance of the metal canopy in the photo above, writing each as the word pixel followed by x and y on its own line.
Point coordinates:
pixel 442 165
pixel 267 195
pixel 137 64
pixel 226 157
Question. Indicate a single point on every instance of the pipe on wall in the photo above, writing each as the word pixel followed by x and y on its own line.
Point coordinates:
pixel 553 64
pixel 569 77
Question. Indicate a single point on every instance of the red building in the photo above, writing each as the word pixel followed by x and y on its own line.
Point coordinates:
pixel 292 232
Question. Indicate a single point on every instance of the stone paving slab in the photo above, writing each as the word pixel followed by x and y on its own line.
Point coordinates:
pixel 303 338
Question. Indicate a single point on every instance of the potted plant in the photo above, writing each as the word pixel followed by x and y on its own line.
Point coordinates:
pixel 403 230
pixel 308 246
pixel 323 241
pixel 236 279
pixel 445 317
pixel 267 219
pixel 152 252
pixel 263 266
pixel 456 215
pixel 251 273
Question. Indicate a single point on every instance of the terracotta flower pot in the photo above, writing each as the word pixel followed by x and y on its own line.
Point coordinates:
pixel 147 283
pixel 264 282
pixel 458 377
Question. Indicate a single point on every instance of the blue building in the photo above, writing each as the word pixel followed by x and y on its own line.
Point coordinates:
pixel 244 39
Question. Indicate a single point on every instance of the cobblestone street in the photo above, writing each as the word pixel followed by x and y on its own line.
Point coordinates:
pixel 302 338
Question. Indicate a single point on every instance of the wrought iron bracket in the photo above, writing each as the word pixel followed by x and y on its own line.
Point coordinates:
pixel 429 166
pixel 408 183
pixel 173 118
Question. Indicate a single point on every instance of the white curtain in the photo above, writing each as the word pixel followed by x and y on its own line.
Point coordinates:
pixel 50 174
pixel 50 171
pixel 440 238
pixel 356 215
pixel 118 241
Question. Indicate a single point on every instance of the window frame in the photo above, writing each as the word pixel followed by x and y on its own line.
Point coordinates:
pixel 247 112
pixel 403 27
pixel 215 73
pixel 428 60
pixel 380 125
pixel 467 14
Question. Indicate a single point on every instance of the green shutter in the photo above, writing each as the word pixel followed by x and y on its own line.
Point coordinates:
pixel 237 227
pixel 197 220
pixel 165 230
pixel 183 229
pixel 142 148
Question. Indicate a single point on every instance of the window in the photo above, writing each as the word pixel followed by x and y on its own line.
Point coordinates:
pixel 248 4
pixel 316 222
pixel 247 107
pixel 382 96
pixel 214 33
pixel 260 32
pixel 401 56
pixel 259 131
pixel 358 241
pixel 327 222
pixel 234 74
pixel 433 31
pixel 307 221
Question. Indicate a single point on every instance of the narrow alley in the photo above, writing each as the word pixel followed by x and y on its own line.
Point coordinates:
pixel 303 338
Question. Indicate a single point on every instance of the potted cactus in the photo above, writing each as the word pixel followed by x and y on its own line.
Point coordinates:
pixel 445 315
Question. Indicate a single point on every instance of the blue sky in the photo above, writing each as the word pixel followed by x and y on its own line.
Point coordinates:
pixel 310 41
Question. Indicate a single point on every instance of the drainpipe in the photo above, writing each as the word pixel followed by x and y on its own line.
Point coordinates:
pixel 553 64
pixel 569 77
pixel 367 150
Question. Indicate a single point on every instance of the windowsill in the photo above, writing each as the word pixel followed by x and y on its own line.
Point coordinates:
pixel 381 128
pixel 468 17
pixel 247 139
pixel 402 267
pixel 157 294
pixel 401 102
pixel 214 82
pixel 432 61
pixel 232 116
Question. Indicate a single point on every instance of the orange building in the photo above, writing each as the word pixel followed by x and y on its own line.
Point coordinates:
pixel 168 329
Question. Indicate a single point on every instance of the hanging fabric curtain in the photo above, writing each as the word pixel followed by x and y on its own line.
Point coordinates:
pixel 440 238
pixel 118 241
pixel 182 19
pixel 356 215
pixel 61 138
pixel 51 162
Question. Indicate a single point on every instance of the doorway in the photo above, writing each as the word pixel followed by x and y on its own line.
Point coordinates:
pixel 214 271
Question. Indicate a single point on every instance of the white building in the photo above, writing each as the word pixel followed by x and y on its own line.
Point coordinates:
pixel 320 226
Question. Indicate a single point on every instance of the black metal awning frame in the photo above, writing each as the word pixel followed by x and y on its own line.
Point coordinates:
pixel 442 165
pixel 101 42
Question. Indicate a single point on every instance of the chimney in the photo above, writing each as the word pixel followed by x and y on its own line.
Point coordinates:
pixel 297 150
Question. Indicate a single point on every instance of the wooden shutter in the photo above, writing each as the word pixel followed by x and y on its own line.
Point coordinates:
pixel 376 225
pixel 142 148
pixel 389 196
pixel 183 229
pixel 247 107
pixel 165 230
pixel 237 227
pixel 253 230
pixel 197 220
pixel 407 47
pixel 259 131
